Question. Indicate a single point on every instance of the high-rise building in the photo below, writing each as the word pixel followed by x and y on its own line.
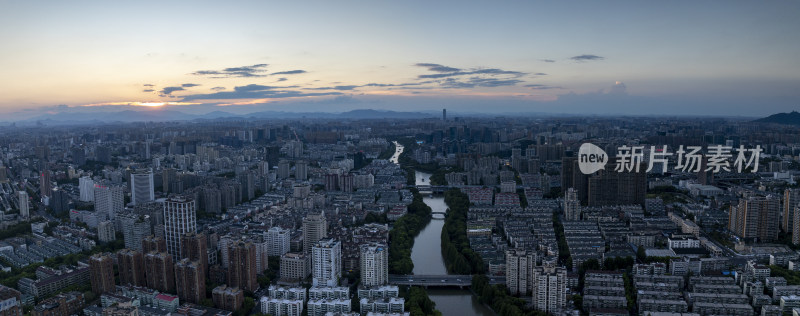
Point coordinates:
pixel 227 298
pixel 179 219
pixel 142 187
pixel 519 271
pixel 24 206
pixel 131 267
pixel 283 169
pixel 108 200
pixel 796 226
pixel 106 232
pixel 791 197
pixel 301 170
pixel 242 265
pixel 374 264
pixel 295 266
pixel 195 247
pixel 160 271
pixel 278 241
pixel 153 243
pixel 549 288
pixel 190 283
pixel 326 260
pixel 134 229
pixel 572 206
pixel 168 176
pixel 609 187
pixel 86 187
pixel 315 227
pixel 45 187
pixel 756 218
pixel 3 174
pixel 59 201
pixel 101 273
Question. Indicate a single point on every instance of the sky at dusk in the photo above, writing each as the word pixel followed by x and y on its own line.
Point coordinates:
pixel 732 58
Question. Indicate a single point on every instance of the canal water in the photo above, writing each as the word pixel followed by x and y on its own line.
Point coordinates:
pixel 427 257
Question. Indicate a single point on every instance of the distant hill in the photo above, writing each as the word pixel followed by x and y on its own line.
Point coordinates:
pixel 791 118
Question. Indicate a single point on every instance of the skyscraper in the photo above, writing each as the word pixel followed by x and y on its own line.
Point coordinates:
pixel 153 243
pixel 195 247
pixel 168 176
pixel 86 187
pixel 326 260
pixel 444 114
pixel 45 187
pixel 549 288
pixel 106 232
pixel 791 197
pixel 190 283
pixel 134 229
pixel 101 273
pixel 108 200
pixel 609 187
pixel 572 206
pixel 519 271
pixel 278 241
pixel 142 188
pixel 283 169
pixel 179 219
pixel 242 265
pixel 315 227
pixel 374 264
pixel 24 207
pixel 301 170
pixel 160 271
pixel 756 218
pixel 131 267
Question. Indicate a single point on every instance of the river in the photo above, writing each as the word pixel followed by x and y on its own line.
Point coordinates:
pixel 427 257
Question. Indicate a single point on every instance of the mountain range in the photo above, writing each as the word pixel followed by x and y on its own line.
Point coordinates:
pixel 791 118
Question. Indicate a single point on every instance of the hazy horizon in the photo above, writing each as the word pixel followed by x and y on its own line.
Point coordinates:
pixel 585 58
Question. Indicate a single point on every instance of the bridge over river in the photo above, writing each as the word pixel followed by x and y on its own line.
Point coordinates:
pixel 450 280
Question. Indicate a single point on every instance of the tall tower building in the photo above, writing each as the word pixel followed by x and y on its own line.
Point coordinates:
pixel 242 265
pixel 24 207
pixel 195 247
pixel 756 218
pixel 315 227
pixel 444 114
pixel 160 271
pixel 283 169
pixel 278 241
pixel 131 267
pixel 796 226
pixel 142 188
pixel 549 288
pixel 153 243
pixel 108 200
pixel 374 264
pixel 791 197
pixel 190 283
pixel 45 187
pixel 168 176
pixel 326 260
pixel 179 219
pixel 134 229
pixel 301 170
pixel 519 271
pixel 86 187
pixel 572 206
pixel 101 273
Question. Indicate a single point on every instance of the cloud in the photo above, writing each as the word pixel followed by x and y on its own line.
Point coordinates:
pixel 478 82
pixel 189 85
pixel 541 87
pixel 218 88
pixel 341 88
pixel 437 67
pixel 148 85
pixel 148 90
pixel 282 79
pixel 618 88
pixel 548 60
pixel 446 72
pixel 257 70
pixel 586 57
pixel 255 91
pixel 290 72
pixel 169 90
pixel 540 74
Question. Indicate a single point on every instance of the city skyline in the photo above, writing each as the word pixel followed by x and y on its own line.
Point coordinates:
pixel 615 58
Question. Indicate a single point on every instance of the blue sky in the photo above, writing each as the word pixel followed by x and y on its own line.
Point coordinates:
pixel 590 57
